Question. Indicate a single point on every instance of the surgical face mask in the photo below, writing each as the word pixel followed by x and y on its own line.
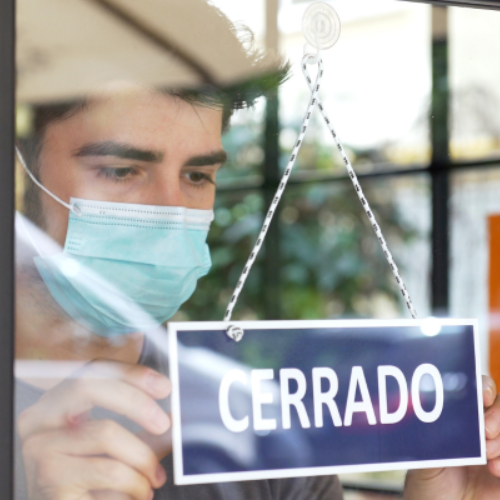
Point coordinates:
pixel 126 267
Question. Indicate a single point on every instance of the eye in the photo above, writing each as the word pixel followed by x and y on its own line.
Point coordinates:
pixel 117 174
pixel 199 178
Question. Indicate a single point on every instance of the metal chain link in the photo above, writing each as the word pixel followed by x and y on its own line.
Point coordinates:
pixel 315 101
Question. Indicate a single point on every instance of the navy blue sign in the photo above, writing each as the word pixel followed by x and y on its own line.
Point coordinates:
pixel 300 398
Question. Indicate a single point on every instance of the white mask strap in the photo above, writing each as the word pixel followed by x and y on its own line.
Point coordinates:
pixel 40 185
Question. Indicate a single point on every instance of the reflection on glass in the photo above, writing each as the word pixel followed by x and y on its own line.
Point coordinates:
pixel 376 91
pixel 474 40
pixel 333 266
pixel 121 112
pixel 330 264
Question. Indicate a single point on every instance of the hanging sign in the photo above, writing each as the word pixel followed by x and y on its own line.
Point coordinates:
pixel 303 398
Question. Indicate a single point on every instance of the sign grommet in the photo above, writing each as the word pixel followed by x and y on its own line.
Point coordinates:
pixel 235 332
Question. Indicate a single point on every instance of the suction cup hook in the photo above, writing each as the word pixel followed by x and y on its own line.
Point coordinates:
pixel 321 26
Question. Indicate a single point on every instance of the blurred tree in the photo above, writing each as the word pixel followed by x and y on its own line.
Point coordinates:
pixel 331 262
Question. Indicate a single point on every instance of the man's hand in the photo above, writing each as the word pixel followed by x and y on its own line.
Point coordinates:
pixel 465 483
pixel 69 456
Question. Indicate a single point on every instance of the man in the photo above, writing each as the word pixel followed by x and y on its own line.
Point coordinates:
pixel 131 148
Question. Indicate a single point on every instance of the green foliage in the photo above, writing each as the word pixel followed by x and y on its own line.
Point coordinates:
pixel 331 264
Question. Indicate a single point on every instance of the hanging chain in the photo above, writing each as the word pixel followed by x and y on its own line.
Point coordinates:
pixel 314 101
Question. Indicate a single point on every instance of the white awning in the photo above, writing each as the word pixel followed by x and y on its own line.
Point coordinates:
pixel 66 48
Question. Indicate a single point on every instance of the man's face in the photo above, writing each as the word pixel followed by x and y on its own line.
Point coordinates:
pixel 136 146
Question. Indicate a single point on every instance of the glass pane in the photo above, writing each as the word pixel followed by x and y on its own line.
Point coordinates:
pixel 332 263
pixel 376 91
pixel 333 266
pixel 238 219
pixel 474 199
pixel 121 109
pixel 243 143
pixel 126 112
pixel 474 36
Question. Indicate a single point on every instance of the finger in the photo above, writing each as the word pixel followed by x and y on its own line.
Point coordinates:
pixel 494 467
pixel 109 495
pixel 98 437
pixel 63 405
pixel 493 448
pixel 150 381
pixel 161 445
pixel 489 391
pixel 426 483
pixel 492 420
pixel 106 474
pixel 96 473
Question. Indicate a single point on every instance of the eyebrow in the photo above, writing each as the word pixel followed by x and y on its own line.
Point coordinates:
pixel 120 150
pixel 129 152
pixel 208 159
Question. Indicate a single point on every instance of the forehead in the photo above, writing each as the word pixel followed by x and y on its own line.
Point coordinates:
pixel 143 117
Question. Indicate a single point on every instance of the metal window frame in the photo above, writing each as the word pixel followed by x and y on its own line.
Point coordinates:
pixel 474 4
pixel 7 137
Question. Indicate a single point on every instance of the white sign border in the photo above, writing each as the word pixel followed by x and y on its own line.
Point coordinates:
pixel 181 479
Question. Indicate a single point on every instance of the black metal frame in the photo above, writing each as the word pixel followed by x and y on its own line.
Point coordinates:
pixel 476 4
pixel 7 137
pixel 439 170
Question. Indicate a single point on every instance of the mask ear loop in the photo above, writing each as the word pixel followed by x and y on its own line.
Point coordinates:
pixel 72 208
